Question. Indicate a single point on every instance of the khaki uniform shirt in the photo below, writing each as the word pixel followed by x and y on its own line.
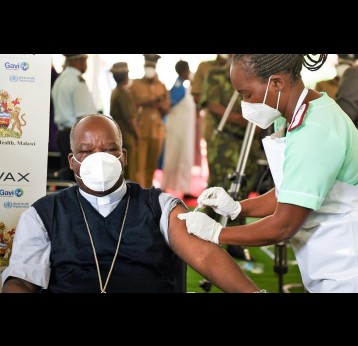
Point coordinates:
pixel 123 109
pixel 149 117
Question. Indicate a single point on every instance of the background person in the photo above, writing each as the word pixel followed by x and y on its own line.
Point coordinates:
pixel 71 99
pixel 223 148
pixel 203 124
pixel 180 133
pixel 124 112
pixel 152 100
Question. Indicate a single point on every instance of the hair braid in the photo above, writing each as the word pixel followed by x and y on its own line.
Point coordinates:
pixel 312 64
pixel 265 65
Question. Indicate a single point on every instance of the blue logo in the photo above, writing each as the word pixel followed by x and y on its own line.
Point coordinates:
pixel 8 204
pixel 13 78
pixel 19 192
pixel 24 66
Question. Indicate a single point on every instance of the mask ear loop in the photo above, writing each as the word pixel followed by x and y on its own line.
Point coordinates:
pixel 279 94
pixel 74 157
pixel 278 100
pixel 267 88
pixel 121 163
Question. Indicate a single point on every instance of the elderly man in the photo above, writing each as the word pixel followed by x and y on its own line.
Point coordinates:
pixel 106 235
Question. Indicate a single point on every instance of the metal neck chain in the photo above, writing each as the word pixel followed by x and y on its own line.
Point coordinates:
pixel 103 288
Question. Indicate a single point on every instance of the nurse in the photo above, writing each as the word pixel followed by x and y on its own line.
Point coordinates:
pixel 313 157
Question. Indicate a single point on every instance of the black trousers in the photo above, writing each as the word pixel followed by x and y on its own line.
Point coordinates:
pixel 63 144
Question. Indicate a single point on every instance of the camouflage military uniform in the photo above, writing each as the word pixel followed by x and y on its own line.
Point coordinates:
pixel 197 90
pixel 223 149
pixel 201 75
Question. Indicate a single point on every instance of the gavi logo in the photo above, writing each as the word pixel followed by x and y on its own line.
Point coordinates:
pixel 24 66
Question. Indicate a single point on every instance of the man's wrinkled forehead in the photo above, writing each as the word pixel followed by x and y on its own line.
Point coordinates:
pixel 95 126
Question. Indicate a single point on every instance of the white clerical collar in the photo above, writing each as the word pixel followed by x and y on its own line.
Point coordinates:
pixel 115 196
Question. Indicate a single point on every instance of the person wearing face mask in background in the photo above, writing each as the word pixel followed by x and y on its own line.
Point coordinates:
pixel 153 102
pixel 106 235
pixel 313 158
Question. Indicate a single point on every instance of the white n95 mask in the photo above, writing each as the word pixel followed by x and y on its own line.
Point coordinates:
pixel 261 114
pixel 149 72
pixel 100 171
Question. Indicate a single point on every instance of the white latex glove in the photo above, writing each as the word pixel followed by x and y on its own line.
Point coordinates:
pixel 221 202
pixel 202 226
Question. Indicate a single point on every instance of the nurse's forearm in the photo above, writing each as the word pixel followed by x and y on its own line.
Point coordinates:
pixel 261 206
pixel 261 233
pixel 281 226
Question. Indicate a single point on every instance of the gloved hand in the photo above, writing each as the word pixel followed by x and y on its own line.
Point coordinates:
pixel 202 226
pixel 221 202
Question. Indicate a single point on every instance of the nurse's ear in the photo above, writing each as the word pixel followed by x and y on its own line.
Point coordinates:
pixel 279 81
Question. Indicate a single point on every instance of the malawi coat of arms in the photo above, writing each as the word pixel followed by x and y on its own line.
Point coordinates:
pixel 11 122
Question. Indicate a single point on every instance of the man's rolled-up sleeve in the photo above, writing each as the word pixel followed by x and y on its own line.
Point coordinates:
pixel 167 203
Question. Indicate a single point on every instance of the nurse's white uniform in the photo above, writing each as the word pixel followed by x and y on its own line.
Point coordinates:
pixel 326 247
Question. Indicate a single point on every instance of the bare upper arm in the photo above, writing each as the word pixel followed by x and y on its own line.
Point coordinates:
pixel 190 248
pixel 17 285
pixel 207 258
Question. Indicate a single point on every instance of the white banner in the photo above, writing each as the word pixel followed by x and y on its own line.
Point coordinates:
pixel 25 82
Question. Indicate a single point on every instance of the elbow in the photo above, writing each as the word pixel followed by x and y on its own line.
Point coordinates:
pixel 282 234
pixel 203 255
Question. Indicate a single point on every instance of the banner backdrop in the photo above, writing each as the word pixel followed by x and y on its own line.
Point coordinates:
pixel 25 82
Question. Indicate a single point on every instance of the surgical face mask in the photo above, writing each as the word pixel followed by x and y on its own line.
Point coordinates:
pixel 261 114
pixel 100 171
pixel 149 72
